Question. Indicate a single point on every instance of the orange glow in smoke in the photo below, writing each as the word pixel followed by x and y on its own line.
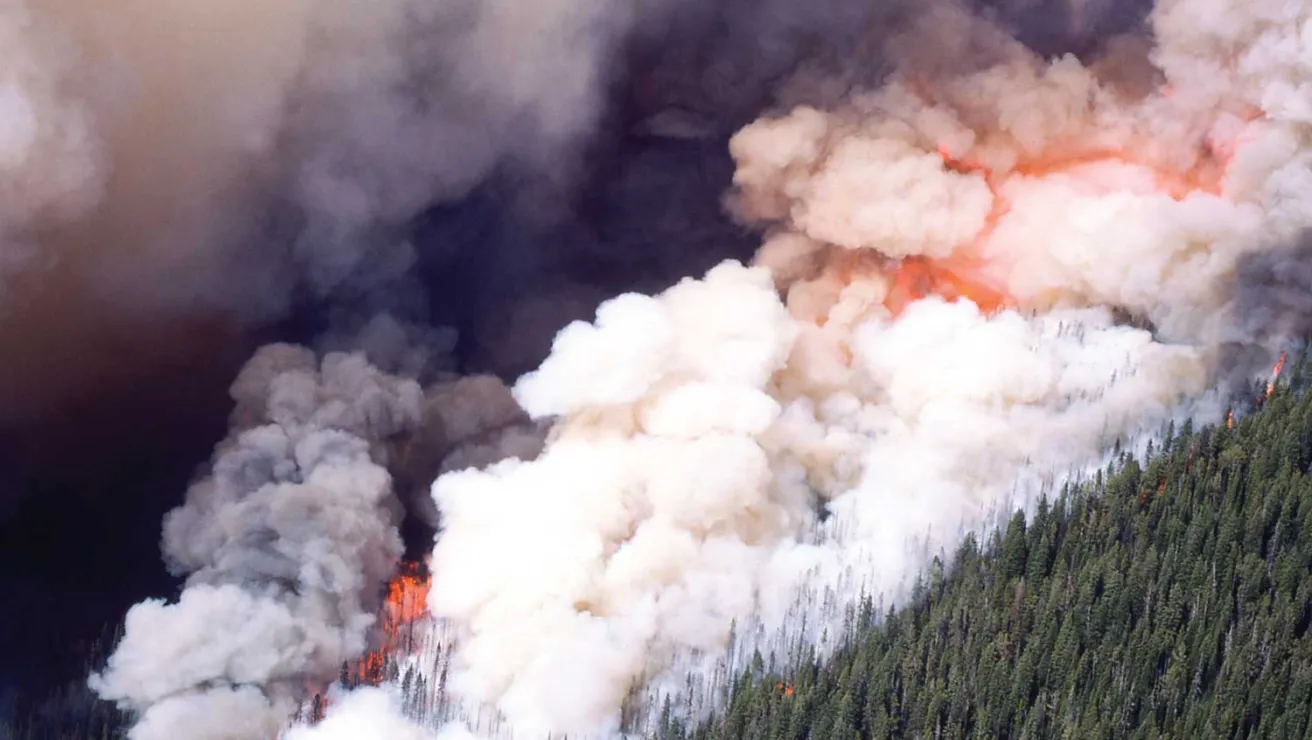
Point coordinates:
pixel 917 277
pixel 960 276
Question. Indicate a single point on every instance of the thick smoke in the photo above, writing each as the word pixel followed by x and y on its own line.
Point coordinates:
pixel 934 329
pixel 648 506
pixel 953 252
pixel 48 154
pixel 199 167
pixel 1273 292
pixel 287 542
pixel 370 714
pixel 285 545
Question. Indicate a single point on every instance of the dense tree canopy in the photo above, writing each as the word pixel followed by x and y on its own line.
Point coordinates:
pixel 1164 598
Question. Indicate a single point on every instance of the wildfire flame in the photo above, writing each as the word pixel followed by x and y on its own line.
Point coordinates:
pixel 407 595
pixel 1275 374
pixel 404 604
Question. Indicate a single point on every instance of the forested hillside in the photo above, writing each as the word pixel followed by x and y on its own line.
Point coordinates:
pixel 1168 599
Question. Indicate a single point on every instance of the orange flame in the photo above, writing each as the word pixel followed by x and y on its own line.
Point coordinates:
pixel 407 594
pixel 1230 419
pixel 1275 373
pixel 405 603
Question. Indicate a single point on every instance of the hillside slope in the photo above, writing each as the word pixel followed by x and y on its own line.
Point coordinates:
pixel 1165 599
pixel 1168 598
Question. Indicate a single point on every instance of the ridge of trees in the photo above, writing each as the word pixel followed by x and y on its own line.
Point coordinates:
pixel 1165 598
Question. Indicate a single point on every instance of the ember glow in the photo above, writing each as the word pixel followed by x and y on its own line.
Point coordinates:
pixel 972 269
pixel 915 278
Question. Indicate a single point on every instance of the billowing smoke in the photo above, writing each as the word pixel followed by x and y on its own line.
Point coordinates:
pixel 977 276
pixel 288 541
pixel 371 714
pixel 200 167
pixel 285 545
pixel 981 269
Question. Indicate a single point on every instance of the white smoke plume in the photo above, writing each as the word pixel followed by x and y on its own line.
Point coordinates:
pixel 370 714
pixel 933 333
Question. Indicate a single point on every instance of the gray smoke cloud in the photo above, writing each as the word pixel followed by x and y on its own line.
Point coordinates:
pixel 201 166
pixel 285 546
pixel 197 171
pixel 287 541
pixel 1272 309
pixel 1273 292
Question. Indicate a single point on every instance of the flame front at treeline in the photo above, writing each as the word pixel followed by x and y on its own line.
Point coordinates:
pixel 398 630
pixel 1270 388
pixel 1275 374
pixel 405 604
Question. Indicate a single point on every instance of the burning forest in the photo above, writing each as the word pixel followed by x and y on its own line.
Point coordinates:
pixel 976 272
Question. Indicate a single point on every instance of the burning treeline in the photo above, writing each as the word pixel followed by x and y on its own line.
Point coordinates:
pixel 404 606
pixel 929 335
pixel 400 631
pixel 287 542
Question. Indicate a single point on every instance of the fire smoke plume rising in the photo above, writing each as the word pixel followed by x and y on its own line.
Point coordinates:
pixel 950 248
pixel 932 330
pixel 285 543
pixel 289 540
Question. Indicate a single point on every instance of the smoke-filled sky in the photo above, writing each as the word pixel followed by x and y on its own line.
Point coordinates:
pixel 443 184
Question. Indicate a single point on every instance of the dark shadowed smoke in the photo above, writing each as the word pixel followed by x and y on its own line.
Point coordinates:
pixel 1273 292
pixel 1271 309
pixel 504 263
